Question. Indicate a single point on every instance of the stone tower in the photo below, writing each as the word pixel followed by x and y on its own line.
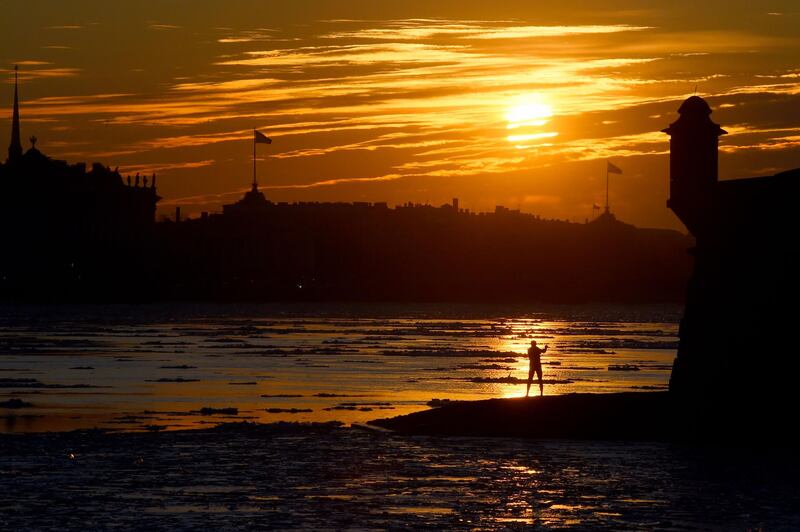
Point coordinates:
pixel 694 180
pixel 693 167
pixel 736 361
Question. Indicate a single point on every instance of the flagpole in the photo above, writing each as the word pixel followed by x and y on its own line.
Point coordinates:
pixel 255 183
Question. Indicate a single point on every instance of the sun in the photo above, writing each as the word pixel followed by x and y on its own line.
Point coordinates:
pixel 528 116
pixel 531 113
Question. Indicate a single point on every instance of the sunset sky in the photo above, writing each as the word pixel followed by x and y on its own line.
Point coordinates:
pixel 517 103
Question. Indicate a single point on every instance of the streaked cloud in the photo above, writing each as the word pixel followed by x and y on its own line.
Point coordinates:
pixel 395 107
pixel 162 27
pixel 38 70
pixel 527 32
pixel 155 168
pixel 418 29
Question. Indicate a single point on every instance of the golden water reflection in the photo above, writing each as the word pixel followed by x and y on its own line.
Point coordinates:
pixel 195 372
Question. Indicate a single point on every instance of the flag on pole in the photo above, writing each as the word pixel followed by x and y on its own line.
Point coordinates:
pixel 261 138
pixel 613 169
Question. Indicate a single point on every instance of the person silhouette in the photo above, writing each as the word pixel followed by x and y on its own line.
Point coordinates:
pixel 535 367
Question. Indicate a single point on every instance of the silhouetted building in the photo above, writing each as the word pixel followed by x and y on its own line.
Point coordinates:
pixel 736 354
pixel 252 204
pixel 68 229
pixel 693 157
pixel 262 250
pixel 15 147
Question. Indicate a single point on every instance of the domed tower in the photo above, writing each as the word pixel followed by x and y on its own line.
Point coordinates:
pixel 694 148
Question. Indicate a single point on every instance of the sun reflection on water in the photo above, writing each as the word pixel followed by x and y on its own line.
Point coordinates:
pixel 163 375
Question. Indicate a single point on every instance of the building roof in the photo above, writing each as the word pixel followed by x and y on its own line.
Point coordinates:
pixel 695 105
pixel 695 116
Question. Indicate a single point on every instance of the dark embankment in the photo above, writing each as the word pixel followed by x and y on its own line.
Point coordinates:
pixel 619 416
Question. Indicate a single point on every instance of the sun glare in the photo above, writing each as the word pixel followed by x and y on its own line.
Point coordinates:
pixel 527 117
pixel 529 114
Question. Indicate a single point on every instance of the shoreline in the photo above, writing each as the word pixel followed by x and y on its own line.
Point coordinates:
pixel 632 416
pixel 584 416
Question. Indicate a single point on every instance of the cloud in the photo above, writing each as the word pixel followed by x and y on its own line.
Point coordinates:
pixel 39 70
pixel 339 181
pixel 422 29
pixel 528 32
pixel 162 27
pixel 155 168
pixel 203 200
pixel 360 103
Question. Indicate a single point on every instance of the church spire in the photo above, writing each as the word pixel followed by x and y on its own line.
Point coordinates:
pixel 15 149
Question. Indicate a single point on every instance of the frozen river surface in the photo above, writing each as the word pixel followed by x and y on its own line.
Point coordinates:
pixel 173 367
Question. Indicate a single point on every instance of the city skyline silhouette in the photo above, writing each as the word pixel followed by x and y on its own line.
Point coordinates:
pixel 93 227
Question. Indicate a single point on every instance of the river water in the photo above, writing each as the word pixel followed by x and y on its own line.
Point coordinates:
pixel 289 477
pixel 140 372
pixel 159 366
